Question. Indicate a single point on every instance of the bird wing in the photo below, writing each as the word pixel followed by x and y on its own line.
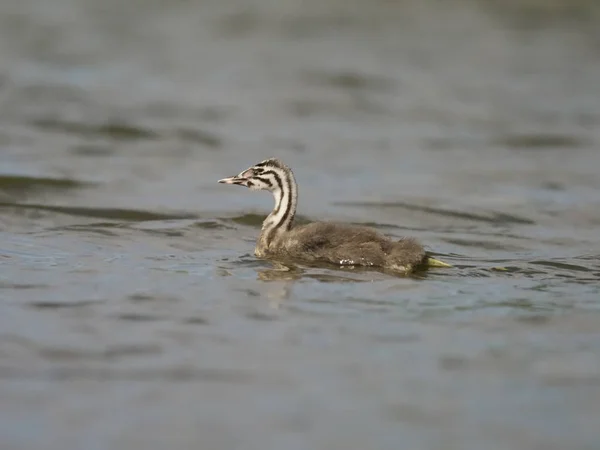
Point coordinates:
pixel 338 243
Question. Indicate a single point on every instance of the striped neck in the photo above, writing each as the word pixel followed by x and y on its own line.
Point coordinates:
pixel 285 192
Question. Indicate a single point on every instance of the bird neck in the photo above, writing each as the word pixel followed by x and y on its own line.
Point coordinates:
pixel 281 218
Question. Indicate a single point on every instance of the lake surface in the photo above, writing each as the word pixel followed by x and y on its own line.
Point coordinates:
pixel 133 313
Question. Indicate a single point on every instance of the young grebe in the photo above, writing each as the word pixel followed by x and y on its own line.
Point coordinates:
pixel 327 242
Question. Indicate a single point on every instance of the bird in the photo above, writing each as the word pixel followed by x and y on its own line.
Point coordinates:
pixel 344 245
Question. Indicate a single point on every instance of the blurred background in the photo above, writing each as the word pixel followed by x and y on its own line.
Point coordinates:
pixel 132 311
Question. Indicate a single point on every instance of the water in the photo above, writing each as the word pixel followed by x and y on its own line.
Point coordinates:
pixel 132 312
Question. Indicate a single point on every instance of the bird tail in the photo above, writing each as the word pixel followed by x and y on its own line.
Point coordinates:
pixel 432 262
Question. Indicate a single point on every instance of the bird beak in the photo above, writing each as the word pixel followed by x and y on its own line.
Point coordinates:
pixel 232 180
pixel 241 179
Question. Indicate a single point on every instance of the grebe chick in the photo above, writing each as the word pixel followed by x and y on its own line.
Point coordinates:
pixel 326 242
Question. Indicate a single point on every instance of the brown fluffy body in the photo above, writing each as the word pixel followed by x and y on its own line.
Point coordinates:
pixel 344 245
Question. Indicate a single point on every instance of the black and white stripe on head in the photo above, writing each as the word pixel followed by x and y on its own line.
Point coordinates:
pixel 266 181
pixel 274 176
pixel 272 162
pixel 281 182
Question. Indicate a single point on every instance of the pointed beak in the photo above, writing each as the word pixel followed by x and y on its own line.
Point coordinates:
pixel 235 180
pixel 242 179
pixel 230 180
